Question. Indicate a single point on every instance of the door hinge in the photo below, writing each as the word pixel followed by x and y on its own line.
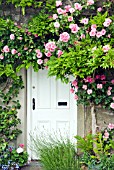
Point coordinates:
pixel 33 103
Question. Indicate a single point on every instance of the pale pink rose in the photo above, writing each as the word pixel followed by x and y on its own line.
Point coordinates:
pixel 39 55
pixel 74 82
pixel 39 61
pixel 112 98
pixel 19 54
pixel 1 57
pixel 55 16
pixel 90 2
pixel 48 54
pixel 13 51
pixel 106 135
pixel 109 88
pixel 67 7
pixel 82 36
pixel 6 49
pixel 92 33
pixel 84 21
pixel 111 126
pixel 84 87
pixel 106 48
pixel 99 86
pixel 99 9
pixel 112 81
pixel 64 37
pixel 98 34
pixel 70 18
pixel 37 50
pixel 12 36
pixel 72 90
pixel 20 38
pixel 89 91
pixel 77 6
pixel 74 28
pixel 108 92
pixel 103 31
pixel 60 11
pixel 107 22
pixel 109 35
pixel 45 60
pixel 59 53
pixel 56 25
pixel 25 48
pixel 76 87
pixel 94 26
pixel 50 46
pixel 71 10
pixel 112 105
pixel 76 97
pixel 58 3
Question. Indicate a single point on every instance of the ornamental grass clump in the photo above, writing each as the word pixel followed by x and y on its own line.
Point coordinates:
pixel 56 154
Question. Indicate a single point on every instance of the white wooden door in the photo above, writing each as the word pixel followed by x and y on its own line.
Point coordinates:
pixel 53 107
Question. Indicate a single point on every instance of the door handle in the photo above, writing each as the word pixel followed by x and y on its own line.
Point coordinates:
pixel 33 103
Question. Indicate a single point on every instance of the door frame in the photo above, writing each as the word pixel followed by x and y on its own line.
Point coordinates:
pixel 29 111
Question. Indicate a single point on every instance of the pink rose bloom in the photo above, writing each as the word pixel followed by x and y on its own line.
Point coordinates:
pixel 89 79
pixel 98 34
pixel 77 6
pixel 108 92
pixel 37 50
pixel 112 98
pixel 112 105
pixel 103 77
pixel 99 86
pixel 112 81
pixel 82 36
pixel 25 48
pixel 74 83
pixel 59 53
pixel 109 35
pixel 90 2
pixel 58 3
pixel 39 61
pixel 106 48
pixel 111 126
pixel 6 49
pixel 45 60
pixel 71 10
pixel 56 25
pixel 50 46
pixel 107 22
pixel 13 51
pixel 67 7
pixel 103 31
pixel 74 28
pixel 12 36
pixel 64 37
pixel 84 21
pixel 21 145
pixel 60 11
pixel 92 33
pixel 39 55
pixel 97 77
pixel 76 97
pixel 72 90
pixel 55 16
pixel 84 87
pixel 70 18
pixel 99 9
pixel 89 91
pixel 19 54
pixel 109 88
pixel 20 38
pixel 106 135
pixel 48 54
pixel 94 26
pixel 1 57
pixel 36 35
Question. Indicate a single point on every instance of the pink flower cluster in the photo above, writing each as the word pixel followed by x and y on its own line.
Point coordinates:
pixel 64 37
pixel 74 28
pixel 107 22
pixel 50 46
pixel 38 53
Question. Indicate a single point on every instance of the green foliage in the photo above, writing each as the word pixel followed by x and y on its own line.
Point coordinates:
pixel 55 154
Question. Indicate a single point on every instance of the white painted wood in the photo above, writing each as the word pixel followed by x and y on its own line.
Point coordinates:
pixel 49 115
